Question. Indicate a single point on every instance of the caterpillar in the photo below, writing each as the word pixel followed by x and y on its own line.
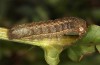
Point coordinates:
pixel 48 29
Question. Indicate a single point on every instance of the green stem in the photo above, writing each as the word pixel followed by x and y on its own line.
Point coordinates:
pixel 52 54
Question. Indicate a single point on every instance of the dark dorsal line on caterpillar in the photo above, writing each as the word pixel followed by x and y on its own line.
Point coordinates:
pixel 49 29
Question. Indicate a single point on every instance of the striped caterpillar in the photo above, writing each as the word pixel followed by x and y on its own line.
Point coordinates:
pixel 52 28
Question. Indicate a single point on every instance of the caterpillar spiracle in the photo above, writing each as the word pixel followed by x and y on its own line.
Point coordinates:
pixel 51 28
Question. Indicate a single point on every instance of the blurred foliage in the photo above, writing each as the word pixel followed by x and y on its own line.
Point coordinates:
pixel 22 11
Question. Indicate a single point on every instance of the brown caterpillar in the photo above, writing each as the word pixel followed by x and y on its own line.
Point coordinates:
pixel 49 29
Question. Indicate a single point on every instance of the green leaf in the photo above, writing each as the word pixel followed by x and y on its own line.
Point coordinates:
pixel 86 45
pixel 92 37
pixel 76 53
